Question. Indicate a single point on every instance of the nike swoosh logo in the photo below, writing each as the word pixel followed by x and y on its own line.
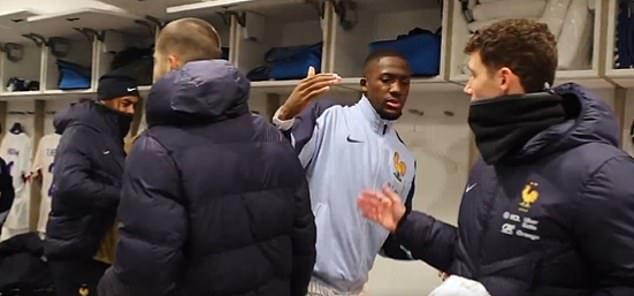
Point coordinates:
pixel 351 140
pixel 470 187
pixel 106 152
pixel 132 89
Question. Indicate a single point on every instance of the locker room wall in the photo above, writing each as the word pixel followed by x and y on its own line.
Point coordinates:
pixel 439 138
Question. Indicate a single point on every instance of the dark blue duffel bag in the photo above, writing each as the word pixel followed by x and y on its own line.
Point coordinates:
pixel 420 47
pixel 292 62
pixel 72 76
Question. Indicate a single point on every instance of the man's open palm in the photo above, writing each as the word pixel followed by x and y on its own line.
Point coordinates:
pixel 384 208
pixel 309 88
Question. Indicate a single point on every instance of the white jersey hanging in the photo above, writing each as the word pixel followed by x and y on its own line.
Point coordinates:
pixel 16 150
pixel 43 167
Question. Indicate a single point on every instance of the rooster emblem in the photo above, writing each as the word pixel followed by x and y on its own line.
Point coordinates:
pixel 83 290
pixel 399 166
pixel 529 194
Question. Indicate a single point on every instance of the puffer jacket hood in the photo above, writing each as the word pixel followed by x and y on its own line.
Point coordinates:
pixel 200 92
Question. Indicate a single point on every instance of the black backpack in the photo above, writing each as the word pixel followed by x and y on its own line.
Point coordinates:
pixel 136 62
pixel 23 267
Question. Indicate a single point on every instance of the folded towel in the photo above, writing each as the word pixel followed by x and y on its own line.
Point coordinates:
pixel 459 286
pixel 509 9
pixel 554 15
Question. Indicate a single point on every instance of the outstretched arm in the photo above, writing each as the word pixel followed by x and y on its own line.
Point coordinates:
pixel 427 238
pixel 392 248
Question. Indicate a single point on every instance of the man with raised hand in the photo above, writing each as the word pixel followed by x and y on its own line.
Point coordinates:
pixel 344 150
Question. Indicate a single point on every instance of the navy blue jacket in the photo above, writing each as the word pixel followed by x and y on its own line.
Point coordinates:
pixel 7 194
pixel 215 201
pixel 86 180
pixel 558 220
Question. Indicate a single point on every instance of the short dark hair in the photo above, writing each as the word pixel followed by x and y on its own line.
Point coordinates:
pixel 526 47
pixel 378 54
pixel 192 39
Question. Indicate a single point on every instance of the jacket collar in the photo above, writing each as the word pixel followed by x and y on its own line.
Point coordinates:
pixel 377 124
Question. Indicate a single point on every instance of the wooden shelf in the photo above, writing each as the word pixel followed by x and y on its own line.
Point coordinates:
pixel 280 10
pixel 432 84
pixel 21 93
pixel 13 24
pixel 587 78
pixel 283 87
pixel 157 8
pixel 64 24
pixel 56 92
pixel 396 5
pixel 46 95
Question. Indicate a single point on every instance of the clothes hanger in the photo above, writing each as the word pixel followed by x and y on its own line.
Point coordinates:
pixel 17 128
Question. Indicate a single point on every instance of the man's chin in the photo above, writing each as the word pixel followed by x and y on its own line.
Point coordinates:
pixel 391 114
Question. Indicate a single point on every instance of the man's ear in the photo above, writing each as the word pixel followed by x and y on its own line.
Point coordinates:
pixel 174 62
pixel 364 85
pixel 505 79
pixel 509 82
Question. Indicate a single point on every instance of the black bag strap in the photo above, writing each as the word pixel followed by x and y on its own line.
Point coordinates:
pixel 466 12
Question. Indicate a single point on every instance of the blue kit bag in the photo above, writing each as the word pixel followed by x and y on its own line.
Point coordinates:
pixel 292 62
pixel 420 47
pixel 72 76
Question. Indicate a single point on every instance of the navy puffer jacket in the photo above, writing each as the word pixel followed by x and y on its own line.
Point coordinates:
pixel 557 220
pixel 215 201
pixel 86 179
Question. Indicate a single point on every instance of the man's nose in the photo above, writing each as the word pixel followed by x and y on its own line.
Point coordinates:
pixel 467 89
pixel 395 89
